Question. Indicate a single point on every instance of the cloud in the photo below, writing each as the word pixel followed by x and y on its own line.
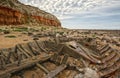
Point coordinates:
pixel 78 11
pixel 62 7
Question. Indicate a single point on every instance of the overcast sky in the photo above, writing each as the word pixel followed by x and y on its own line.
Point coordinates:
pixel 82 14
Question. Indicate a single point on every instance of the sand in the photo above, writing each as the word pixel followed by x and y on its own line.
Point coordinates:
pixel 6 42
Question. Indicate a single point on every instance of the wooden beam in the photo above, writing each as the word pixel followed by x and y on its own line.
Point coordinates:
pixel 56 71
pixel 11 68
pixel 42 68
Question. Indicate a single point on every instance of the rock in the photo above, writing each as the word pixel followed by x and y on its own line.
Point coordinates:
pixel 79 76
pixel 90 73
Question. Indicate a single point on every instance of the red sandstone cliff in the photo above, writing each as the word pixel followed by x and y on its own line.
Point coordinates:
pixel 14 12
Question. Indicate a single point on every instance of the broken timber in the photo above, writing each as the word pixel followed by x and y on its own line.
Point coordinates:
pixel 24 64
pixel 42 67
pixel 36 54
pixel 77 52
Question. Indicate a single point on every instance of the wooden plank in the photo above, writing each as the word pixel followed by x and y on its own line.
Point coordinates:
pixel 105 53
pixel 105 49
pixel 64 60
pixel 88 52
pixel 30 47
pixel 38 45
pixel 26 51
pixel 41 44
pixel 3 53
pixel 21 50
pixel 42 67
pixel 9 59
pixel 110 70
pixel 34 51
pixel 78 52
pixel 109 63
pixel 7 55
pixel 11 68
pixel 56 71
pixel 109 57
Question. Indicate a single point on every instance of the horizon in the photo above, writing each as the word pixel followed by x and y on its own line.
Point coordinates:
pixel 82 14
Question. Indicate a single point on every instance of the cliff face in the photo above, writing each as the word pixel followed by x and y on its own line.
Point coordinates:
pixel 14 12
pixel 9 16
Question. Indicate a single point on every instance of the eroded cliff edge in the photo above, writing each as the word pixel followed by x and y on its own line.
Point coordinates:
pixel 16 13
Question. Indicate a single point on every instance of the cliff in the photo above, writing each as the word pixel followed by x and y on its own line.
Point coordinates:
pixel 14 12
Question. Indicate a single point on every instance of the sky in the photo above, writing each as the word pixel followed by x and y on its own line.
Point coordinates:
pixel 82 14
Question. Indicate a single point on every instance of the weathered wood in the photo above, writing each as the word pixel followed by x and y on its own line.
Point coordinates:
pixel 110 70
pixel 64 60
pixel 105 49
pixel 45 45
pixel 42 67
pixel 37 46
pixel 2 62
pixel 11 68
pixel 60 48
pixel 9 59
pixel 26 51
pixel 41 44
pixel 20 49
pixel 78 52
pixel 91 55
pixel 109 63
pixel 20 56
pixel 34 51
pixel 7 56
pixel 3 53
pixel 56 71
pixel 109 57
pixel 31 49
pixel 105 53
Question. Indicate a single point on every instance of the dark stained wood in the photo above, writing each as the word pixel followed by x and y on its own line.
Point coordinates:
pixel 56 71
